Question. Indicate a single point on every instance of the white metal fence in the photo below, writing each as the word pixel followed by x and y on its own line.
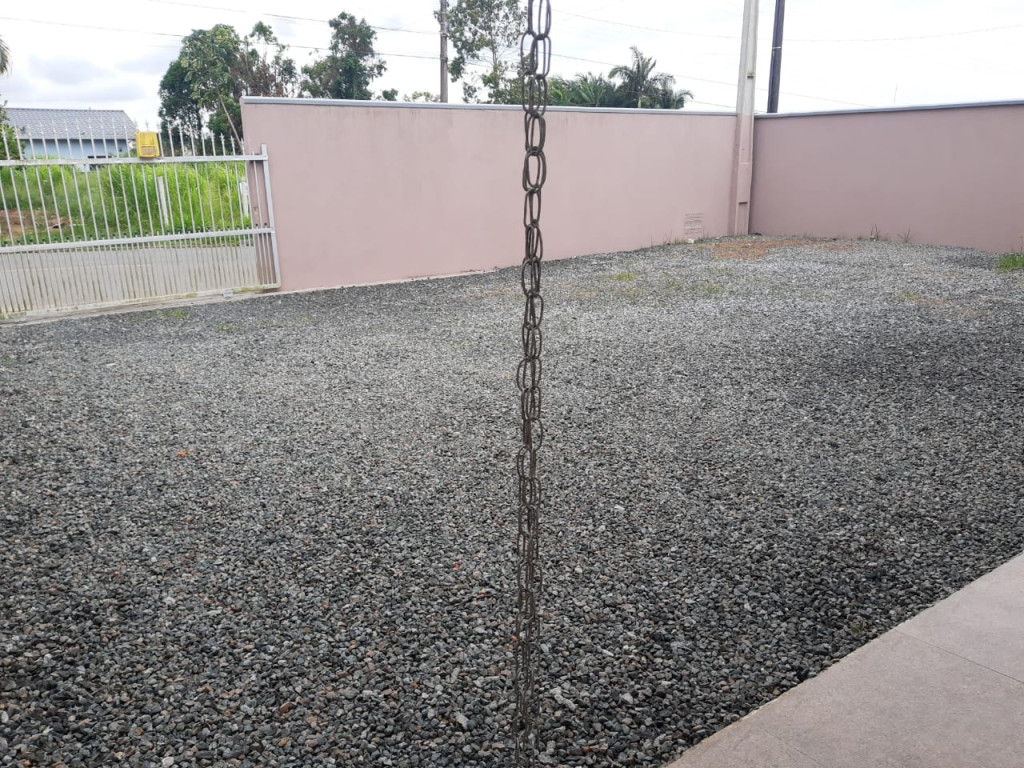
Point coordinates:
pixel 84 223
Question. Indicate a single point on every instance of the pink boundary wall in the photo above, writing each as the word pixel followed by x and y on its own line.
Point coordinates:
pixel 370 192
pixel 945 175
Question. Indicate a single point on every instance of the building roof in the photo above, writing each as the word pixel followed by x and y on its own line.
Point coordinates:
pixel 31 123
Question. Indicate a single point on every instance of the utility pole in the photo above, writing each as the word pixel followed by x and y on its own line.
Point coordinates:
pixel 775 79
pixel 743 158
pixel 443 17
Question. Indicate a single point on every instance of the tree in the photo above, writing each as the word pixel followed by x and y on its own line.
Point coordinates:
pixel 263 68
pixel 214 70
pixel 425 97
pixel 210 59
pixel 223 123
pixel 350 65
pixel 668 97
pixel 486 33
pixel 642 86
pixel 10 147
pixel 587 90
pixel 638 86
pixel 181 115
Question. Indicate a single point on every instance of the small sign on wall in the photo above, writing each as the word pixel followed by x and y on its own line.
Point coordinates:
pixel 693 226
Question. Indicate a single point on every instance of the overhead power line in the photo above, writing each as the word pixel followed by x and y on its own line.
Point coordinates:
pixel 650 29
pixel 50 22
pixel 281 16
pixel 425 56
pixel 958 33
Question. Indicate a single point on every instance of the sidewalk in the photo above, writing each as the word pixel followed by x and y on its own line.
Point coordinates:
pixel 942 690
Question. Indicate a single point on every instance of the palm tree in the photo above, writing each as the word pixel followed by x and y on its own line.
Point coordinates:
pixel 9 146
pixel 639 86
pixel 593 91
pixel 640 81
pixel 669 98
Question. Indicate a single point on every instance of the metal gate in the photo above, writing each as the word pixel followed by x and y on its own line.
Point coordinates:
pixel 86 224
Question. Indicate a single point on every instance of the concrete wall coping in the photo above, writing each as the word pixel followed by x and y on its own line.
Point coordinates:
pixel 617 111
pixel 257 100
pixel 879 110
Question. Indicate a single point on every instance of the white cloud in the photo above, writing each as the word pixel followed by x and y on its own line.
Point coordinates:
pixel 61 71
pixel 153 61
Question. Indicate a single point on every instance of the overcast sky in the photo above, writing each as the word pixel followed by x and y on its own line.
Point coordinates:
pixel 111 54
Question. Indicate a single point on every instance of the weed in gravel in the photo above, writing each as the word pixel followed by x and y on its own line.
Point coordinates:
pixel 752 249
pixel 924 301
pixel 674 286
pixel 1010 262
pixel 177 313
pixel 7 361
pixel 229 327
pixel 710 289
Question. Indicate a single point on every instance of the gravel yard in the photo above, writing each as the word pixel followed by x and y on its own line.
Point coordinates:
pixel 280 531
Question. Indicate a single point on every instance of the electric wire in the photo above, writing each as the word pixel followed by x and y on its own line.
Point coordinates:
pixel 183 35
pixel 651 29
pixel 958 33
pixel 432 57
pixel 284 16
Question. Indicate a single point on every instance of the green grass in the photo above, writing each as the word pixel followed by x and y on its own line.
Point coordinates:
pixel 708 290
pixel 1010 262
pixel 66 203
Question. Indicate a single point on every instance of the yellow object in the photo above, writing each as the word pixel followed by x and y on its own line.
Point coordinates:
pixel 147 145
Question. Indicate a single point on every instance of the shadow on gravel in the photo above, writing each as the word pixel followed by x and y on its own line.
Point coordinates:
pixel 281 531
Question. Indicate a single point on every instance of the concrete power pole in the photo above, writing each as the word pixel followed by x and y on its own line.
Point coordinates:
pixel 444 51
pixel 743 159
pixel 775 78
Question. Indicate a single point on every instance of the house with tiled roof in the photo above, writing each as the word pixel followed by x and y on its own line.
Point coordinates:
pixel 72 133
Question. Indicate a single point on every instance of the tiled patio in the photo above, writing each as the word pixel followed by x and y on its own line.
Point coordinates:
pixel 943 690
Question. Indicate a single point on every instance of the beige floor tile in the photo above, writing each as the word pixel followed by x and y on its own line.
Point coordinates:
pixel 902 703
pixel 984 622
pixel 743 745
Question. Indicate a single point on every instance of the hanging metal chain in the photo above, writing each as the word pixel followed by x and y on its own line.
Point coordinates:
pixel 535 50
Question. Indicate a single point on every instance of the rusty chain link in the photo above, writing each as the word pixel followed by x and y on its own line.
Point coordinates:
pixel 535 51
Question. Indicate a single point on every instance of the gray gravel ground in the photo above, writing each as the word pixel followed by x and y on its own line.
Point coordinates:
pixel 279 532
